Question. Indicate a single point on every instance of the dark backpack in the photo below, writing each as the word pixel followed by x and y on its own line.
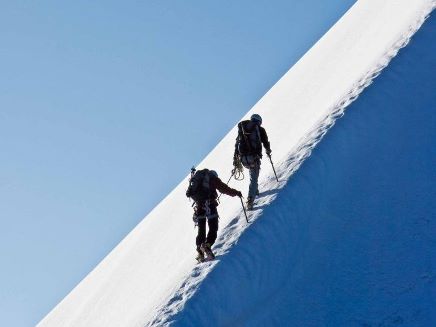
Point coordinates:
pixel 249 141
pixel 199 188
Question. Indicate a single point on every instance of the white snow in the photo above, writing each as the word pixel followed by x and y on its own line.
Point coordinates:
pixel 151 274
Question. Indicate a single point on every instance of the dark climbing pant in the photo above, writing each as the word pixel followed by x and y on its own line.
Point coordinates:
pixel 211 235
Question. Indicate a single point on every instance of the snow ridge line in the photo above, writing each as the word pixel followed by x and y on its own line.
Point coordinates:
pixel 231 233
pixel 296 157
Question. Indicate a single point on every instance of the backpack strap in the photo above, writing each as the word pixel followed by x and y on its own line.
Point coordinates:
pixel 245 137
pixel 258 133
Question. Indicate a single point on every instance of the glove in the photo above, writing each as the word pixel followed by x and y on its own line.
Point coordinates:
pixel 239 194
pixel 268 152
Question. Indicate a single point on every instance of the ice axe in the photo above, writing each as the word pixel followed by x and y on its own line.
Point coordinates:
pixel 272 165
pixel 243 207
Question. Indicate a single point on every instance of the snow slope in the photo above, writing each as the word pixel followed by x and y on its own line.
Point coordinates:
pixel 151 275
pixel 350 240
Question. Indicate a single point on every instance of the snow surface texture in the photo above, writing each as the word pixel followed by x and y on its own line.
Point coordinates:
pixel 151 277
pixel 349 241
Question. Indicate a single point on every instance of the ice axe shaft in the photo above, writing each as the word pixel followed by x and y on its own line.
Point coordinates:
pixel 272 165
pixel 243 207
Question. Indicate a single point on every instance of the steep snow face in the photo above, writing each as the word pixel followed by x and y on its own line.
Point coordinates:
pixel 349 241
pixel 149 277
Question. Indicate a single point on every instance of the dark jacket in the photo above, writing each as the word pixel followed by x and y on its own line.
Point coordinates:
pixel 207 208
pixel 244 141
pixel 217 184
pixel 200 194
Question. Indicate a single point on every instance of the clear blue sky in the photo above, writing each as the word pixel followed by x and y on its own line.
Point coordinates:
pixel 105 106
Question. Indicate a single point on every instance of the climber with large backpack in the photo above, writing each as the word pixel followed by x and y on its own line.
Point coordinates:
pixel 248 152
pixel 203 186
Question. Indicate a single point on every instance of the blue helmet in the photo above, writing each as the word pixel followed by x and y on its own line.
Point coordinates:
pixel 255 118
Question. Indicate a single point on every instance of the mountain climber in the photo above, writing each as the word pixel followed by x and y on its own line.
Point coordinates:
pixel 248 152
pixel 203 187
